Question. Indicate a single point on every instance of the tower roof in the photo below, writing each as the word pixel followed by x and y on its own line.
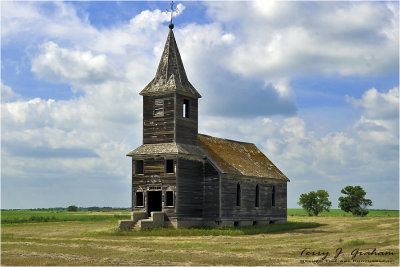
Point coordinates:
pixel 171 76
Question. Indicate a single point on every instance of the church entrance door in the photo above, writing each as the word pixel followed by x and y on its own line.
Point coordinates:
pixel 154 201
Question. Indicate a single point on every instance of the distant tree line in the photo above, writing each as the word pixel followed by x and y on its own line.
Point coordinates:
pixel 354 201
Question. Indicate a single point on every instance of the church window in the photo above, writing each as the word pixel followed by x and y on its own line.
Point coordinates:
pixel 257 201
pixel 139 199
pixel 169 198
pixel 139 166
pixel 169 166
pixel 186 108
pixel 159 108
pixel 273 196
pixel 238 195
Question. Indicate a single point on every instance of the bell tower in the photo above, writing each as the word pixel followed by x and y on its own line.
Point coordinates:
pixel 170 102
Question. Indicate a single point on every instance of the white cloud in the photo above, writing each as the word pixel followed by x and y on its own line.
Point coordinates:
pixel 72 66
pixel 7 94
pixel 346 38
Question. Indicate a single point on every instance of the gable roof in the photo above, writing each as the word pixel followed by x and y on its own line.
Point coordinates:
pixel 171 76
pixel 239 158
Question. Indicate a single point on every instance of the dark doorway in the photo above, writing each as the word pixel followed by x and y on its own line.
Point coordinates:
pixel 154 201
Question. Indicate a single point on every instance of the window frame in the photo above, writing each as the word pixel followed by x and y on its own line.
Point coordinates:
pixel 273 200
pixel 136 199
pixel 238 195
pixel 172 199
pixel 166 166
pixel 257 200
pixel 185 109
pixel 137 168
pixel 158 108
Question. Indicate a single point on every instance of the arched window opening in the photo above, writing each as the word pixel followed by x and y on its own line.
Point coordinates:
pixel 257 202
pixel 273 196
pixel 238 195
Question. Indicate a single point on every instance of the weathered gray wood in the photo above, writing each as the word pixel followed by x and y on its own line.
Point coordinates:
pixel 190 181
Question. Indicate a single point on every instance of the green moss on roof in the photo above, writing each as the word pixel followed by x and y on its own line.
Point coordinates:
pixel 239 158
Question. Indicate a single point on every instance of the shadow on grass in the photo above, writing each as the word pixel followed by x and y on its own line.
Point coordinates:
pixel 207 231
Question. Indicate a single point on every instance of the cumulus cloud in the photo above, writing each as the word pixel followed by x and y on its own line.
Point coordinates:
pixel 345 38
pixel 73 66
pixel 7 94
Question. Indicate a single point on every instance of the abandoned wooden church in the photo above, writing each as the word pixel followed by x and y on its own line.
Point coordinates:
pixel 181 178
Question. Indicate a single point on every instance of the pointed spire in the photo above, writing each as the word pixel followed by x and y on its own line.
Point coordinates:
pixel 171 76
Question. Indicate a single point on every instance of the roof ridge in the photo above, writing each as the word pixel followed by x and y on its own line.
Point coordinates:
pixel 229 140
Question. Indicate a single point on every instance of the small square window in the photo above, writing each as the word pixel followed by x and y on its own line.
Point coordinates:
pixel 185 108
pixel 169 166
pixel 139 199
pixel 169 198
pixel 139 166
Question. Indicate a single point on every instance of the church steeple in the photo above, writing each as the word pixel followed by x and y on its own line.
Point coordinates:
pixel 171 76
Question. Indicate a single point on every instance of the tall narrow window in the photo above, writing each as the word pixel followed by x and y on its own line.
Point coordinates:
pixel 169 166
pixel 185 108
pixel 169 198
pixel 139 199
pixel 158 108
pixel 273 196
pixel 257 202
pixel 139 166
pixel 238 195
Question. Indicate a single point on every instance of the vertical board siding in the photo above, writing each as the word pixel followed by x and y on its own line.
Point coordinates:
pixel 190 188
pixel 211 192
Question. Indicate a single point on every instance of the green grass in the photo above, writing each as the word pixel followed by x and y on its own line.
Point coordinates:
pixel 355 242
pixel 338 213
pixel 34 216
pixel 204 231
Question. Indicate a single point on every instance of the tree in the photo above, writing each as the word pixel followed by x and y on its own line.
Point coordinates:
pixel 72 208
pixel 354 202
pixel 315 202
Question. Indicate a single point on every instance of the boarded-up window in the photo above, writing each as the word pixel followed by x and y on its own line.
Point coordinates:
pixel 273 196
pixel 139 199
pixel 159 108
pixel 169 166
pixel 238 195
pixel 169 198
pixel 139 166
pixel 185 108
pixel 257 201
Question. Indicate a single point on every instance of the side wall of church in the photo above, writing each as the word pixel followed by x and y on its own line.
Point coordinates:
pixel 189 188
pixel 246 208
pixel 211 192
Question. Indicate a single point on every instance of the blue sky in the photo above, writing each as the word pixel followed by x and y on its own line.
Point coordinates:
pixel 313 85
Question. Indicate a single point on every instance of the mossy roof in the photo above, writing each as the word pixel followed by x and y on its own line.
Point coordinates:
pixel 239 158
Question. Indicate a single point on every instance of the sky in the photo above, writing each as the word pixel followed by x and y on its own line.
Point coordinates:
pixel 313 84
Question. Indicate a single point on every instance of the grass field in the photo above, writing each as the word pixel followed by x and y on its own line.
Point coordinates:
pixel 98 242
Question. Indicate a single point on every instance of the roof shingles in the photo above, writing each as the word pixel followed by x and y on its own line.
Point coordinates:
pixel 239 158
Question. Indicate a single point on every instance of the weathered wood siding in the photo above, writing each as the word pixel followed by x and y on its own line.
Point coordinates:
pixel 247 209
pixel 186 128
pixel 154 175
pixel 189 188
pixel 211 192
pixel 158 129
